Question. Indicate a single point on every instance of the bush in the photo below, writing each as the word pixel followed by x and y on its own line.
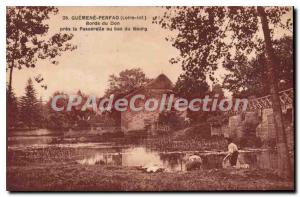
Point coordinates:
pixel 250 141
pixel 202 131
pixel 172 119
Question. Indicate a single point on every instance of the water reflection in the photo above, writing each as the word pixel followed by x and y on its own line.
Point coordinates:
pixel 36 132
pixel 29 140
pixel 175 161
pixel 114 154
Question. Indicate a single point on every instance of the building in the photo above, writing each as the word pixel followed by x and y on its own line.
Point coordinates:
pixel 145 120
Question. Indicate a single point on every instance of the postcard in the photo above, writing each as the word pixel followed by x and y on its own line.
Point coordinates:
pixel 150 98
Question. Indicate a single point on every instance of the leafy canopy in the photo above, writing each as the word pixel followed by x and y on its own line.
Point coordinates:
pixel 27 38
pixel 208 37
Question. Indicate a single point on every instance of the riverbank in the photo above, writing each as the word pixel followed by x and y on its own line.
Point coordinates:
pixel 69 176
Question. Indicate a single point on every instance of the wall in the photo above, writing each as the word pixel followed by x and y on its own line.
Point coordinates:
pixel 266 129
pixel 135 121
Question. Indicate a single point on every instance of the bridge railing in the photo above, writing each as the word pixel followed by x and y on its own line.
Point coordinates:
pixel 265 102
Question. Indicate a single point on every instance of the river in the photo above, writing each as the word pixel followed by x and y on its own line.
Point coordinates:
pixel 137 155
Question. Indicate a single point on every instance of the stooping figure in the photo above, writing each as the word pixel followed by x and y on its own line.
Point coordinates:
pixel 233 152
pixel 231 158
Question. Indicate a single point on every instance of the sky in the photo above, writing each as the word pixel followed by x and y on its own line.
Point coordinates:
pixel 100 54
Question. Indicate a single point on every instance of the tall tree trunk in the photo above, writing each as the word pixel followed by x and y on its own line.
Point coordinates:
pixel 10 79
pixel 11 67
pixel 282 148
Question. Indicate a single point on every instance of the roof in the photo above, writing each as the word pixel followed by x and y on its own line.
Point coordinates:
pixel 161 82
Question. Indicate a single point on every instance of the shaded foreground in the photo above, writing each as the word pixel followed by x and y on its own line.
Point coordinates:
pixel 75 177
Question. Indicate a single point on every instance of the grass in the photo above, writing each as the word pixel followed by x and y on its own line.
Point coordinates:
pixel 66 176
pixel 44 155
pixel 187 144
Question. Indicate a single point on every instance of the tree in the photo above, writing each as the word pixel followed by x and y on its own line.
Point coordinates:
pixel 11 108
pixel 58 120
pixel 127 81
pixel 29 109
pixel 119 86
pixel 248 77
pixel 27 39
pixel 42 108
pixel 276 106
pixel 189 88
pixel 65 119
pixel 81 117
pixel 172 119
pixel 208 36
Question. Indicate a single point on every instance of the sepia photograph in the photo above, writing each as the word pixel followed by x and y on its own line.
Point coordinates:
pixel 150 98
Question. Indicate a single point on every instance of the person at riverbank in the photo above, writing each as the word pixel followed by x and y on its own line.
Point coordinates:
pixel 194 162
pixel 233 152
